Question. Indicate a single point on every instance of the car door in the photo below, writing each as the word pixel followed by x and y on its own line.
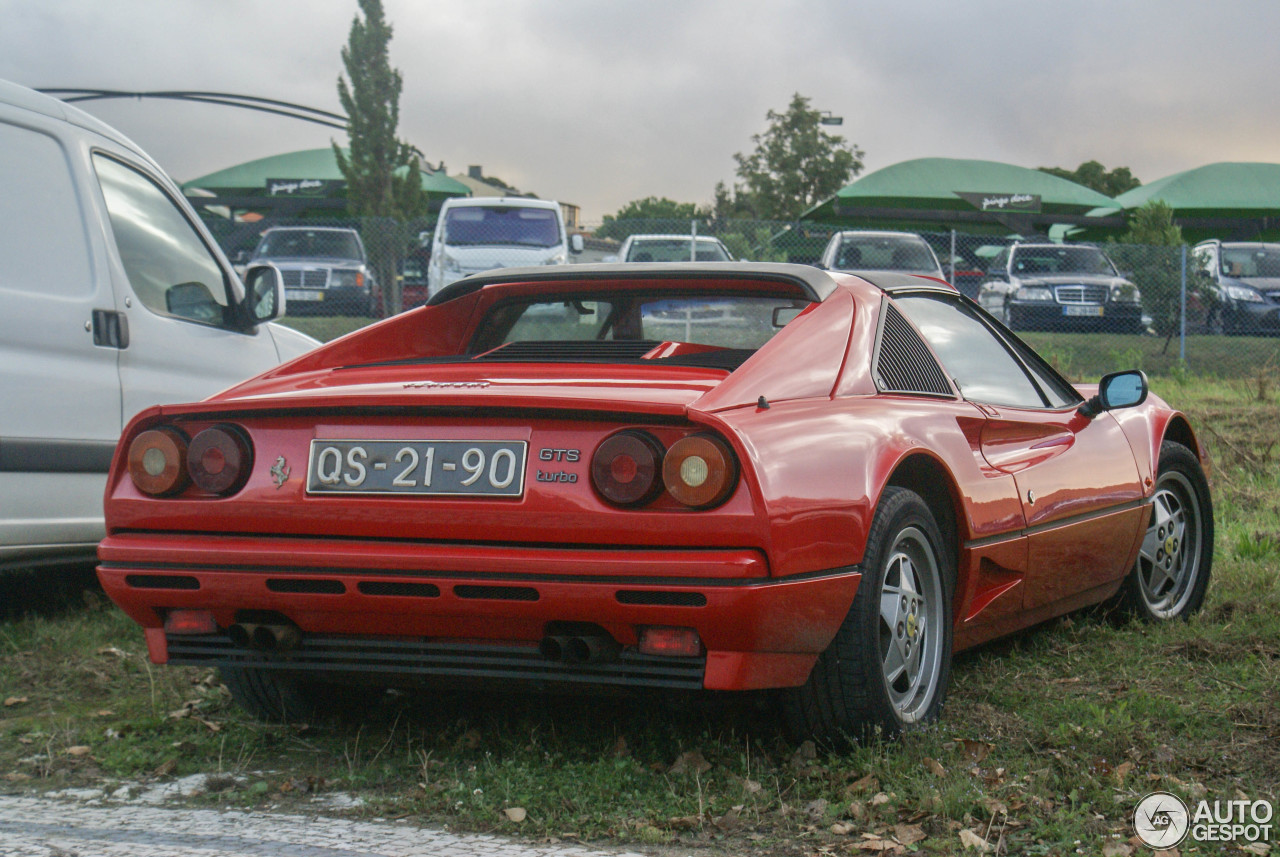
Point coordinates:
pixel 59 385
pixel 1082 497
pixel 185 337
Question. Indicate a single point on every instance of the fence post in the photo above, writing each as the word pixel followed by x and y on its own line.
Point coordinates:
pixel 1182 310
pixel 953 258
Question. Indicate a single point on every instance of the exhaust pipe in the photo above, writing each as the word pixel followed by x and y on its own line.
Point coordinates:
pixel 265 638
pixel 553 648
pixel 591 650
pixel 579 650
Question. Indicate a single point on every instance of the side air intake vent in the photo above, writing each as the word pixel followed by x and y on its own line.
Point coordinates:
pixel 589 351
pixel 904 364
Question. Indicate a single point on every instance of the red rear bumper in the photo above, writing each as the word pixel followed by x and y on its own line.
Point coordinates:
pixel 758 631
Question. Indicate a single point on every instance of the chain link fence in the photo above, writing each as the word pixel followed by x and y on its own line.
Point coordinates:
pixel 1210 309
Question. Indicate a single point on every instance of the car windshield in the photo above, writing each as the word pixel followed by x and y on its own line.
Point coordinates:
pixel 674 250
pixel 1061 260
pixel 717 321
pixel 309 244
pixel 1255 261
pixel 477 225
pixel 885 253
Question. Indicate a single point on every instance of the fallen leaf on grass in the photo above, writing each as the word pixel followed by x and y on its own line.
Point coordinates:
pixel 112 650
pixel 731 819
pixel 166 768
pixel 877 844
pixel 684 822
pixel 79 750
pixel 842 829
pixel 752 787
pixel 106 712
pixel 17 777
pixel 515 813
pixel 691 762
pixel 880 799
pixel 15 700
pixel 1260 848
pixel 935 767
pixel 971 840
pixel 995 806
pixel 976 750
pixel 909 834
pixel 869 783
pixel 1122 771
pixel 804 754
pixel 816 809
pixel 1117 849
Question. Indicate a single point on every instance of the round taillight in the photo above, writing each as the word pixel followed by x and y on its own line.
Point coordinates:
pixel 699 471
pixel 158 461
pixel 219 459
pixel 625 468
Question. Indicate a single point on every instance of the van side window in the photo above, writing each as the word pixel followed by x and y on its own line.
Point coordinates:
pixel 170 269
pixel 43 245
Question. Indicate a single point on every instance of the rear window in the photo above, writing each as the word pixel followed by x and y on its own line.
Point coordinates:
pixel 675 250
pixel 718 321
pixel 885 253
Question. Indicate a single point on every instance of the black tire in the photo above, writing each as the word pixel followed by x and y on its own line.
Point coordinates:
pixel 849 693
pixel 279 696
pixel 1171 575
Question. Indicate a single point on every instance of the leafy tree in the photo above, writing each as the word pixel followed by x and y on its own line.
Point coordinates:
pixel 1152 251
pixel 647 215
pixel 755 245
pixel 795 164
pixel 384 183
pixel 1094 175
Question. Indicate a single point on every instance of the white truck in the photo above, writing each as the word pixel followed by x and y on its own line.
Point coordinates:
pixel 482 233
pixel 113 297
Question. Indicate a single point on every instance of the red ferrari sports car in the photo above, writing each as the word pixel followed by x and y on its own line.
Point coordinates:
pixel 730 477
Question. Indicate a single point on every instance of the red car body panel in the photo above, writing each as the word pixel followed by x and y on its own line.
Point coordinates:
pixel 1047 508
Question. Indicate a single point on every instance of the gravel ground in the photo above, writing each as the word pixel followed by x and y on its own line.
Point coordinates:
pixel 58 827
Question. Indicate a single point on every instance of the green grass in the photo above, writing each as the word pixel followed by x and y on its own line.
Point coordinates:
pixel 1047 742
pixel 1089 356
pixel 325 328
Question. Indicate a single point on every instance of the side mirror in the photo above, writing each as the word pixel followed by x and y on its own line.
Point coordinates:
pixel 576 244
pixel 1117 390
pixel 263 293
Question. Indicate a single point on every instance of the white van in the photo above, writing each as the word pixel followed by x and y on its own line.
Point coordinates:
pixel 479 234
pixel 113 297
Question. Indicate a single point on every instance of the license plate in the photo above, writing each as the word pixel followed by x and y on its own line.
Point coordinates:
pixel 303 295
pixel 444 468
pixel 1091 311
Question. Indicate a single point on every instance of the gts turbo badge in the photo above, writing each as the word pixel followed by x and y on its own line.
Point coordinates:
pixel 568 456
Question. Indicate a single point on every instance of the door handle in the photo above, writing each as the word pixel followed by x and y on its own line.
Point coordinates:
pixel 110 329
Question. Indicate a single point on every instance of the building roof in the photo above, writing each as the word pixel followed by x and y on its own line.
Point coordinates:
pixel 319 164
pixel 935 184
pixel 1225 188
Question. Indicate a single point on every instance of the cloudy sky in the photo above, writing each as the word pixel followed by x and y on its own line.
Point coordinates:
pixel 599 102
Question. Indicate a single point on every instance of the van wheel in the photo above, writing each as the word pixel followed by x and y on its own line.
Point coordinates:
pixel 889 665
